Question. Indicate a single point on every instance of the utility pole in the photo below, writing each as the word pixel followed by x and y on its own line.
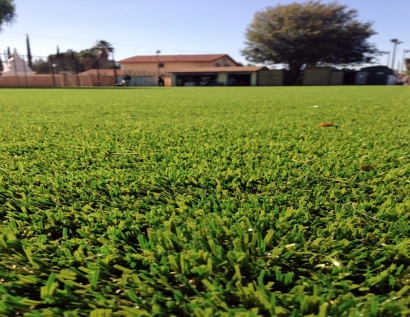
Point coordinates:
pixel 158 51
pixel 396 42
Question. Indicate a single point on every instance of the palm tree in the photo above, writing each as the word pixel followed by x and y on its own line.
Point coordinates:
pixel 85 54
pixel 101 46
pixel 87 58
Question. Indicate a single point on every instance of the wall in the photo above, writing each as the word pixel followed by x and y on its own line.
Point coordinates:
pixel 153 68
pixel 361 78
pixel 60 81
pixel 270 77
pixel 336 78
pixel 223 78
pixel 104 80
pixel 317 76
pixel 141 81
pixel 32 81
pixel 254 78
pixel 223 61
pixel 174 80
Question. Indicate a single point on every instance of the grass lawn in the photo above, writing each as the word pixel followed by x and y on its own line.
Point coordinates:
pixel 205 202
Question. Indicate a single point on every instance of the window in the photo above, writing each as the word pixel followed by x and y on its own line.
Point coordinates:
pixel 217 64
pixel 160 65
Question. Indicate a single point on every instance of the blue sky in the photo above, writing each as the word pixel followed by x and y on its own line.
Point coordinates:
pixel 140 27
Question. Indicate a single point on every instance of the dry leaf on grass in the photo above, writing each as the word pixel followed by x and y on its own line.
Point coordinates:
pixel 326 124
pixel 367 168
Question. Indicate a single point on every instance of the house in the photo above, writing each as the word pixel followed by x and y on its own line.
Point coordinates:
pixel 193 70
pixel 163 63
pixel 215 76
pixel 374 75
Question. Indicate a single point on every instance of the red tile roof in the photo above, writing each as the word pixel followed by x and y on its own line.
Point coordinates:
pixel 174 58
pixel 103 72
pixel 234 69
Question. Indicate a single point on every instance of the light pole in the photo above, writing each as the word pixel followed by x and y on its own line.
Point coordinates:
pixel 396 42
pixel 404 59
pixel 388 57
pixel 158 51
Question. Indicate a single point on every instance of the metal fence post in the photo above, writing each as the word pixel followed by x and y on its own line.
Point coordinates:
pixel 98 71
pixel 15 71
pixel 25 72
pixel 52 71
pixel 115 68
pixel 76 72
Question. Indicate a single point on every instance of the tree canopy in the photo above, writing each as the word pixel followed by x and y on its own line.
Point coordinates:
pixel 7 12
pixel 76 61
pixel 308 34
pixel 407 62
pixel 101 45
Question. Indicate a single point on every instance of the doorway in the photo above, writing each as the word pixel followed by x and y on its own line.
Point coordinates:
pixel 239 79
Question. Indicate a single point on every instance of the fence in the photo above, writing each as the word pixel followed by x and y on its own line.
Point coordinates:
pixel 65 70
pixel 60 80
pixel 274 77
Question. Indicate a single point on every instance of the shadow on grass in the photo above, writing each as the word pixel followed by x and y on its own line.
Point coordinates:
pixel 85 88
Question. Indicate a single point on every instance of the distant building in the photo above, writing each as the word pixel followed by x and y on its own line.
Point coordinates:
pixel 193 70
pixel 375 75
pixel 216 76
pixel 163 63
pixel 16 66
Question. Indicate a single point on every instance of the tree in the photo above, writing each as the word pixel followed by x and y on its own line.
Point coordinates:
pixel 41 66
pixel 7 12
pixel 1 65
pixel 101 46
pixel 87 53
pixel 29 57
pixel 308 34
pixel 63 61
pixel 81 61
pixel 86 59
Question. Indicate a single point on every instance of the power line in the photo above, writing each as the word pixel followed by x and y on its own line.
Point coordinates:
pixel 122 44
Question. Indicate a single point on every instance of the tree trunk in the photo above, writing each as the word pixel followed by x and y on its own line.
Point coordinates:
pixel 296 74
